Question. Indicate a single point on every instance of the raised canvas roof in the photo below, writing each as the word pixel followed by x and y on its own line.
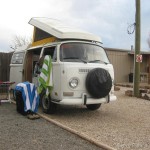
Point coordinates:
pixel 61 30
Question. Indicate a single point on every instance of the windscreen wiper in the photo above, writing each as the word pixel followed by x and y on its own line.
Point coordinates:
pixel 98 61
pixel 76 58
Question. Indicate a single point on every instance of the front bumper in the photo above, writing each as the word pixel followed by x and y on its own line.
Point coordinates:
pixel 84 100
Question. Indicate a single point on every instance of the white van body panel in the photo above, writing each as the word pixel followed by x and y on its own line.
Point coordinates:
pixel 61 30
pixel 80 71
pixel 16 74
pixel 16 68
pixel 57 69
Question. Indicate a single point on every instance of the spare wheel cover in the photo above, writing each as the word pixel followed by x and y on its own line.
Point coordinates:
pixel 98 82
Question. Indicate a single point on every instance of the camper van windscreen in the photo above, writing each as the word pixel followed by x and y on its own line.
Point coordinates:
pixel 17 58
pixel 82 52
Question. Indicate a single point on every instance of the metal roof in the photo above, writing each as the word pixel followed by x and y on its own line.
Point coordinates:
pixel 130 52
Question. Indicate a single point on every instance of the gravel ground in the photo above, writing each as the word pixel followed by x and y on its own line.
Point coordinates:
pixel 123 124
pixel 19 133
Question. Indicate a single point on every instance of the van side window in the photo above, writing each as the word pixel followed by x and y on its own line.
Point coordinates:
pixel 52 52
pixel 17 58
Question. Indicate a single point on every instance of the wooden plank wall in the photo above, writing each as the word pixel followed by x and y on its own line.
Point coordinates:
pixel 5 59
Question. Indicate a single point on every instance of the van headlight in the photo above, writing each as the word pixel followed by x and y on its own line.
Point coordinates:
pixel 73 83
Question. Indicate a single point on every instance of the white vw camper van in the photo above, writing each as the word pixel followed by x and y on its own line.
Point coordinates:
pixel 81 71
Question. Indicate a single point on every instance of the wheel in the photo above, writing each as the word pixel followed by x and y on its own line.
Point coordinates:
pixel 93 106
pixel 48 106
pixel 98 83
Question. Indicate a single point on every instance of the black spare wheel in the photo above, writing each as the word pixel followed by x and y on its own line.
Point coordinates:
pixel 98 82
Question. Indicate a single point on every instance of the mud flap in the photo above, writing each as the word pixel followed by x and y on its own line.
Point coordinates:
pixel 84 98
pixel 108 98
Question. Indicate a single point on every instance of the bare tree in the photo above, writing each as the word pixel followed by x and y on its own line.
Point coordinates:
pixel 19 41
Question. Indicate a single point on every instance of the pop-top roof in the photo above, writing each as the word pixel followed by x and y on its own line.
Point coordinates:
pixel 61 30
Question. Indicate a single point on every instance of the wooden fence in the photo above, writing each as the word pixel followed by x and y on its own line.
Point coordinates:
pixel 5 59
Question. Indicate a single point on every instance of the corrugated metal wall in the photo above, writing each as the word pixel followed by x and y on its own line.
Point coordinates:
pixel 123 64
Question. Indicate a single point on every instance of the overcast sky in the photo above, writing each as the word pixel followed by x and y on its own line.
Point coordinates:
pixel 108 19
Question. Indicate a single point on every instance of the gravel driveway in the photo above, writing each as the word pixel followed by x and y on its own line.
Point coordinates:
pixel 123 124
pixel 19 133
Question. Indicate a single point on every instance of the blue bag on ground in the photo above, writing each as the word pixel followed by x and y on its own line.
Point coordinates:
pixel 29 97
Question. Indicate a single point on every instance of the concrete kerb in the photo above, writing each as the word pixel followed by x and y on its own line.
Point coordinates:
pixel 99 144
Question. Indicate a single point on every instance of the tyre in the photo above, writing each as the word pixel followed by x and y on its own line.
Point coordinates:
pixel 47 106
pixel 93 106
pixel 98 83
